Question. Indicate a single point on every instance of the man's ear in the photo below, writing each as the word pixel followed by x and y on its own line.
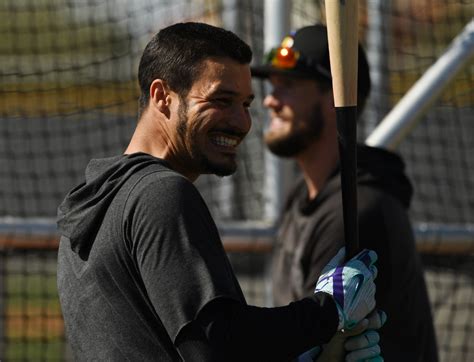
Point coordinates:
pixel 329 97
pixel 327 107
pixel 160 96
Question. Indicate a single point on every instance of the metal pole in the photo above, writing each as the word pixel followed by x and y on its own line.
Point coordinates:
pixel 426 90
pixel 277 171
pixel 228 206
pixel 276 25
pixel 378 103
pixel 3 296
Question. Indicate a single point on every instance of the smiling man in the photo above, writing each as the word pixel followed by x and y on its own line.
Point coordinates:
pixel 142 273
pixel 204 125
pixel 303 127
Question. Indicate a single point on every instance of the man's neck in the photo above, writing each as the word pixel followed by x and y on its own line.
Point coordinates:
pixel 317 163
pixel 150 137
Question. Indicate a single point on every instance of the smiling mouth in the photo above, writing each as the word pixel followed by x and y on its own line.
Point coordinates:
pixel 277 123
pixel 224 141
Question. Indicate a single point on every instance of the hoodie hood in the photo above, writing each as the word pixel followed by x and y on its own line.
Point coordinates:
pixel 384 170
pixel 81 213
pixel 376 167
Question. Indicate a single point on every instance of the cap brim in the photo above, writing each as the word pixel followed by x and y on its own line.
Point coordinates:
pixel 264 71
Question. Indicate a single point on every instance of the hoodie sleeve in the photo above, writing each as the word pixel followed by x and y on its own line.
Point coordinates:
pixel 177 249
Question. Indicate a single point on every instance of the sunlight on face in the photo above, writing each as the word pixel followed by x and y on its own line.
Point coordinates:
pixel 215 118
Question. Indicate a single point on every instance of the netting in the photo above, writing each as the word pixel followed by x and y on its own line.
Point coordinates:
pixel 68 93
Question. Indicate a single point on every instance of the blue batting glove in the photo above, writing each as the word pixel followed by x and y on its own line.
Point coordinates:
pixel 351 284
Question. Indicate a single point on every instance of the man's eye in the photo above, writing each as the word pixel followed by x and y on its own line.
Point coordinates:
pixel 282 83
pixel 223 101
pixel 287 83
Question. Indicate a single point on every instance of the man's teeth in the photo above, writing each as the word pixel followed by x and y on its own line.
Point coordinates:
pixel 225 141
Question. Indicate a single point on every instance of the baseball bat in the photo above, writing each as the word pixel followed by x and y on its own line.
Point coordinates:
pixel 342 25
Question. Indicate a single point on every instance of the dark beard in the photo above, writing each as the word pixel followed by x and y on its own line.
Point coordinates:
pixel 220 170
pixel 299 138
pixel 202 164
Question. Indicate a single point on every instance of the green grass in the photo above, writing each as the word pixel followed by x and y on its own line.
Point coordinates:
pixel 33 326
pixel 31 350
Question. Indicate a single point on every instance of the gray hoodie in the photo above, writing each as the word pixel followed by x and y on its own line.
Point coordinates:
pixel 139 257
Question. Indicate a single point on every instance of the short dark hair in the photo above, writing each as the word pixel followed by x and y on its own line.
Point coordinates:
pixel 175 54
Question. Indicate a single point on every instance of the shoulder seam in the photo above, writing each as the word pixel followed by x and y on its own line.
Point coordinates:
pixel 132 188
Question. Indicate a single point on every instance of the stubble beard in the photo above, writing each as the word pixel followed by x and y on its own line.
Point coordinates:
pixel 298 138
pixel 201 162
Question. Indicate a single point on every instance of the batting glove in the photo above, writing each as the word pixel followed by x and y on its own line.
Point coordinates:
pixel 353 345
pixel 365 347
pixel 351 284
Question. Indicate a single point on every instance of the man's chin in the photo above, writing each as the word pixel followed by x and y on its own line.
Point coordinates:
pixel 277 144
pixel 221 169
pixel 283 149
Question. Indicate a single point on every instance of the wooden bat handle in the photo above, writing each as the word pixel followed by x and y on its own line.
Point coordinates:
pixel 342 24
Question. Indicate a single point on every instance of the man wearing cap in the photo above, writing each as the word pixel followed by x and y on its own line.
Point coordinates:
pixel 303 127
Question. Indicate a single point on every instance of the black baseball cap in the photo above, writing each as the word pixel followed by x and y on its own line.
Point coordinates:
pixel 305 54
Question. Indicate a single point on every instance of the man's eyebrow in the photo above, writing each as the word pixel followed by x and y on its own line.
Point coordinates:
pixel 228 92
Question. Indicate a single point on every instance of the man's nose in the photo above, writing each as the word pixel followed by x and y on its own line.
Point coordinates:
pixel 241 119
pixel 271 101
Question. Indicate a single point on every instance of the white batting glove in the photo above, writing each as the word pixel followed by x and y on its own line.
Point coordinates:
pixel 351 284
pixel 309 356
pixel 357 344
pixel 365 347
